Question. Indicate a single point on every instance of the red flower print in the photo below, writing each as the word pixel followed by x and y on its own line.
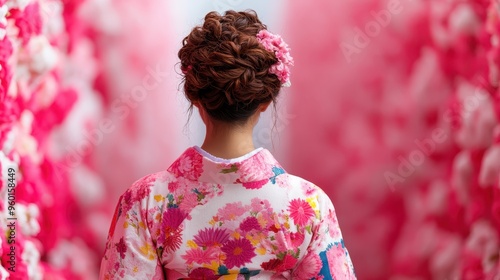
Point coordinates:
pixel 189 165
pixel 121 248
pixel 300 211
pixel 288 262
pixel 249 224
pixel 203 273
pixel 171 239
pixel 271 265
pixel 211 237
pixel 308 268
pixel 238 252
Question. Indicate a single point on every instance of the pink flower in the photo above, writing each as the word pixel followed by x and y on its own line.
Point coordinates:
pixel 210 237
pixel 189 165
pixel 300 211
pixel 238 252
pixel 254 172
pixel 231 211
pixel 173 217
pixel 201 256
pixel 333 226
pixel 28 21
pixel 255 184
pixel 258 205
pixel 337 260
pixel 189 201
pixel 171 231
pixel 9 113
pixel 249 224
pixel 274 43
pixel 296 239
pixel 308 268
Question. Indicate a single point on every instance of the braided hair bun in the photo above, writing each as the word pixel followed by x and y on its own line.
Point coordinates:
pixel 226 69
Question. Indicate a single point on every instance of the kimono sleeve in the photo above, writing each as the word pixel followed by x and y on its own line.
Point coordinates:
pixel 130 251
pixel 326 256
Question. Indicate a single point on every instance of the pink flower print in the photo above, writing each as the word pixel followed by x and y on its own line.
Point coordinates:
pixel 201 256
pixel 189 201
pixel 253 185
pixel 309 188
pixel 238 252
pixel 257 205
pixel 231 211
pixel 337 260
pixel 296 239
pixel 170 231
pixel 139 190
pixel 333 228
pixel 210 237
pixel 308 268
pixel 300 211
pixel 189 165
pixel 173 186
pixel 249 224
pixel 255 169
pixel 28 21
pixel 173 217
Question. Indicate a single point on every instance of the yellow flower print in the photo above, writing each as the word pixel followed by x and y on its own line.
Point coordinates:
pixel 147 251
pixel 213 265
pixel 314 205
pixel 261 250
pixel 191 244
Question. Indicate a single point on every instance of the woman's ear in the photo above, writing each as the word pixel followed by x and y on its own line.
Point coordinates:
pixel 263 107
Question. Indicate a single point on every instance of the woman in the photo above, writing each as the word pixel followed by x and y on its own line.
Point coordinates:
pixel 227 210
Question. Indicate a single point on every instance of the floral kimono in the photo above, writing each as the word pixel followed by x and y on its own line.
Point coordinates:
pixel 210 218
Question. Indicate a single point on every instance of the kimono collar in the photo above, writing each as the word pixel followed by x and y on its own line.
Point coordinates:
pixel 252 170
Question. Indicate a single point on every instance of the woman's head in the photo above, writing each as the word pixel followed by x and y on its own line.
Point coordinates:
pixel 226 68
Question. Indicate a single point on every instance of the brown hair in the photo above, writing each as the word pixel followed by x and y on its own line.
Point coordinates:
pixel 226 68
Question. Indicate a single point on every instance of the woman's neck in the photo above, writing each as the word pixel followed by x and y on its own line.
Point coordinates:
pixel 228 141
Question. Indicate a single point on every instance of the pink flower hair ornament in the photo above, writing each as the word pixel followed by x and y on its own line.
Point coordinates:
pixel 274 43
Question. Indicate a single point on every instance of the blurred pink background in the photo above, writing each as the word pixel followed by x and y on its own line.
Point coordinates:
pixel 394 111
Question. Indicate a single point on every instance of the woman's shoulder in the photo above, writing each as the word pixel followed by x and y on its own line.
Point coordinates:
pixel 303 186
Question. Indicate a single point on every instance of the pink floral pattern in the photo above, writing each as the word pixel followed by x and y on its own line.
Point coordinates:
pixel 276 230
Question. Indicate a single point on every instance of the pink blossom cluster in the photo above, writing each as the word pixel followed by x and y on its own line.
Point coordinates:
pixel 53 238
pixel 275 44
pixel 419 100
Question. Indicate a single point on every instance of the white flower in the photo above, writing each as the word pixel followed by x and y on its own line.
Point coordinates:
pixel 27 217
pixel 43 56
pixel 31 257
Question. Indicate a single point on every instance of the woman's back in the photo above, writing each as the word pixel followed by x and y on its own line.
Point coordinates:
pixel 244 217
pixel 206 218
